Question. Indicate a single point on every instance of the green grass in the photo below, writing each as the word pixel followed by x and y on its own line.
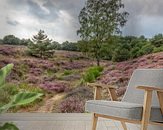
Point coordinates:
pixel 29 88
pixel 67 72
pixel 49 72
pixel 60 75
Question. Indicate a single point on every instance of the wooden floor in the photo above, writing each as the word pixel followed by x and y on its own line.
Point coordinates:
pixel 56 121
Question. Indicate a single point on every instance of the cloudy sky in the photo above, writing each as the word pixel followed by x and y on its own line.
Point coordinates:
pixel 59 18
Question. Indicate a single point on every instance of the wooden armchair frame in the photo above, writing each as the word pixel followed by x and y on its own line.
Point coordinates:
pixel 146 107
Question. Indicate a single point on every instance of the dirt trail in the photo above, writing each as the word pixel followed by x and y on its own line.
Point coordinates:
pixel 49 104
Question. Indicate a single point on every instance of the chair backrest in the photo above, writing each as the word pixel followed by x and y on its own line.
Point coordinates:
pixel 146 77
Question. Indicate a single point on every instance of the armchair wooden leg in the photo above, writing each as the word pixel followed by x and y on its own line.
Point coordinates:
pixel 146 110
pixel 160 98
pixel 94 122
pixel 124 125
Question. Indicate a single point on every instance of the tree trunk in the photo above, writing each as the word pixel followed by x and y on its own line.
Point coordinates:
pixel 98 61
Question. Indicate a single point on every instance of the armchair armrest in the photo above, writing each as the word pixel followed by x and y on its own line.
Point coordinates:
pixel 147 88
pixel 98 87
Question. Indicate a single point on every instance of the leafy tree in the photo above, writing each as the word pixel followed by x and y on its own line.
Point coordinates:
pixel 41 46
pixel 69 46
pixel 11 40
pixel 56 45
pixel 157 40
pixel 83 47
pixel 134 52
pixel 158 49
pixel 146 49
pixel 108 48
pixel 136 46
pixel 121 53
pixel 25 42
pixel 99 19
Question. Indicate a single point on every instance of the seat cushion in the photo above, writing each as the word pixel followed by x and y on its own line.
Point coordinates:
pixel 131 111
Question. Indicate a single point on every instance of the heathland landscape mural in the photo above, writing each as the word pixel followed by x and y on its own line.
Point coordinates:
pixel 53 48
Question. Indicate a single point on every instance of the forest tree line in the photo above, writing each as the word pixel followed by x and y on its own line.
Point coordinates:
pixel 118 48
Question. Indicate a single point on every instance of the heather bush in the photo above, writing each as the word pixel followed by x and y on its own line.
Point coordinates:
pixel 92 73
pixel 72 56
pixel 54 87
pixel 36 71
pixel 32 79
pixel 19 71
pixel 72 105
pixel 8 51
pixel 75 65
pixel 82 92
pixel 71 77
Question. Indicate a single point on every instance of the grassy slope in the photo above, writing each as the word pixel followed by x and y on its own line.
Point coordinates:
pixel 61 75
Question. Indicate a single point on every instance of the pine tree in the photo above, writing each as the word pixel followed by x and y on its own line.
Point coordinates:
pixel 41 46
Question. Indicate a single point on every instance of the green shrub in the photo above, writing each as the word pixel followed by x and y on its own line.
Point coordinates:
pixel 121 54
pixel 89 77
pixel 92 73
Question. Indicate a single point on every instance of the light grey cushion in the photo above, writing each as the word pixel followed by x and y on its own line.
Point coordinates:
pixel 125 110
